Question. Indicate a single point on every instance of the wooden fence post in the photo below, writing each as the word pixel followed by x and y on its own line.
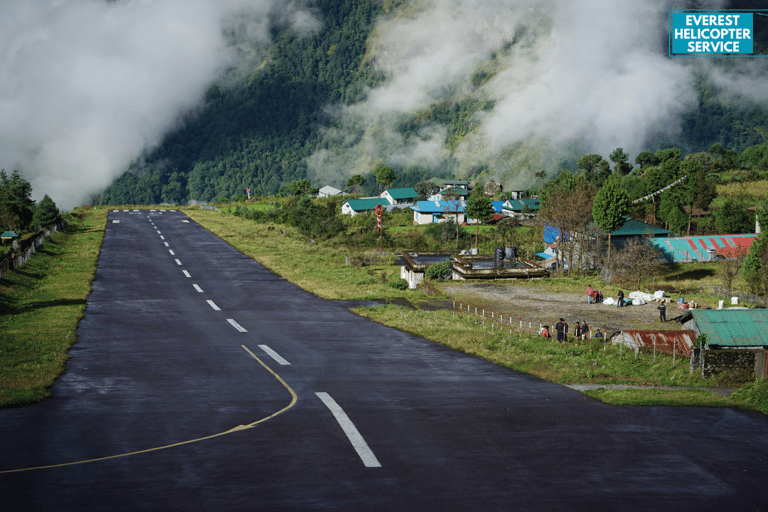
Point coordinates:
pixel 674 349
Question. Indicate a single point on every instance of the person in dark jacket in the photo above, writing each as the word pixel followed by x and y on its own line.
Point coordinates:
pixel 662 312
pixel 621 298
pixel 560 328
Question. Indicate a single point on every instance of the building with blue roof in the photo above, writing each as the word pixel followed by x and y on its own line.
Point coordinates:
pixel 433 212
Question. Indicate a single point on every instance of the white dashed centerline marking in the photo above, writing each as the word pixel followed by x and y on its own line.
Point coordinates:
pixel 198 288
pixel 171 251
pixel 166 244
pixel 358 443
pixel 213 305
pixel 236 325
pixel 162 237
pixel 186 273
pixel 178 262
pixel 274 355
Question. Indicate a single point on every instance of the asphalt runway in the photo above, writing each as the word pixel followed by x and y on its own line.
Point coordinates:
pixel 202 381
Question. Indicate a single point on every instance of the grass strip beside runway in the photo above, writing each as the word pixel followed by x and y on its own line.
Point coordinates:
pixel 41 304
pixel 567 363
pixel 316 266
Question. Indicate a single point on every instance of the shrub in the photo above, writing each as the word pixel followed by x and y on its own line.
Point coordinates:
pixel 402 284
pixel 438 270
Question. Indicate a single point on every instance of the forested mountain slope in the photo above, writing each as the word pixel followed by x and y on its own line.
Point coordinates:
pixel 257 133
pixel 263 131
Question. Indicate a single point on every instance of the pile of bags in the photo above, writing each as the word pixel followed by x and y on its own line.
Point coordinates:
pixel 640 298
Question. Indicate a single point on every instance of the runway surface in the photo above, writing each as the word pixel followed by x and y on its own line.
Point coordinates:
pixel 202 381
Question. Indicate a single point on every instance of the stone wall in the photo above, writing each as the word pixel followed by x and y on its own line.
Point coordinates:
pixel 741 365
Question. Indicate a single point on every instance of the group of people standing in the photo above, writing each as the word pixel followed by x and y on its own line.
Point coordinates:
pixel 561 328
pixel 593 296
pixel 582 330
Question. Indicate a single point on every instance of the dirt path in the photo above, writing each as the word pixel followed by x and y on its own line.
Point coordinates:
pixel 531 301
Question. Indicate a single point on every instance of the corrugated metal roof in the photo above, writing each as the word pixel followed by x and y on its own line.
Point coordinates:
pixel 518 205
pixel 438 206
pixel 402 193
pixel 733 327
pixel 633 227
pixel 666 341
pixel 698 248
pixel 366 204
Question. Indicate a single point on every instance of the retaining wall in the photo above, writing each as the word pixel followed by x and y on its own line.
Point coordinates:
pixel 28 247
pixel 744 365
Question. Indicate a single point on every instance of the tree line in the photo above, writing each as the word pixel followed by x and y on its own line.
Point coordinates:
pixel 18 212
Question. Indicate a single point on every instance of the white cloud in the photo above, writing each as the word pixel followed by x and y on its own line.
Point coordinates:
pixel 593 74
pixel 87 85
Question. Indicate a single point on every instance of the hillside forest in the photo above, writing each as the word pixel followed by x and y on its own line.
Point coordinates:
pixel 259 131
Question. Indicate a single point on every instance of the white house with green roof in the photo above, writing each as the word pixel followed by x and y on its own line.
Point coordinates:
pixel 400 195
pixel 521 208
pixel 355 206
pixel 450 193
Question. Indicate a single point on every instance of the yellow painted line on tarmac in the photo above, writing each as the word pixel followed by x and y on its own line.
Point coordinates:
pixel 294 399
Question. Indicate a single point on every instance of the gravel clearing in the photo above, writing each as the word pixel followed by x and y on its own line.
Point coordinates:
pixel 540 303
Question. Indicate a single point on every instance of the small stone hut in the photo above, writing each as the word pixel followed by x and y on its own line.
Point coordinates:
pixel 736 341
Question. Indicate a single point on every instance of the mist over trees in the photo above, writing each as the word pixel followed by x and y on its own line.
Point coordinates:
pixel 272 127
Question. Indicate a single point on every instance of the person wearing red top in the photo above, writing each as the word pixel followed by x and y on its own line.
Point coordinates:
pixel 590 294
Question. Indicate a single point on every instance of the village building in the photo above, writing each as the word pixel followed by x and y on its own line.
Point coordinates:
pixel 329 191
pixel 450 193
pixel 413 265
pixel 522 208
pixel 736 341
pixel 704 248
pixel 354 207
pixel 633 228
pixel 434 212
pixel 400 195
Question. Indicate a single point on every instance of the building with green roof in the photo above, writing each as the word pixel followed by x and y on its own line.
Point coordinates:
pixel 400 195
pixel 355 206
pixel 633 227
pixel 736 340
pixel 522 207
